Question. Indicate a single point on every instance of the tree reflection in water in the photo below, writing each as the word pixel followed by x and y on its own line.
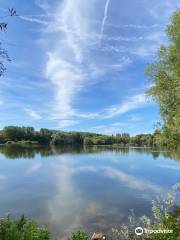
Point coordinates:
pixel 28 151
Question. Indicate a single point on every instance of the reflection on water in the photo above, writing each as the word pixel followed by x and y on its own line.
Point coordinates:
pixel 87 187
pixel 18 151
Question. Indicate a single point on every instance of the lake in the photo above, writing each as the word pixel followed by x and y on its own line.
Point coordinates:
pixel 90 187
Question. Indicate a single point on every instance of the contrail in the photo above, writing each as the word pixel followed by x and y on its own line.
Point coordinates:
pixel 105 16
pixel 33 20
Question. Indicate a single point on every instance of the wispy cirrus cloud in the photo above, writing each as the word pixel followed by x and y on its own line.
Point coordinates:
pixel 134 102
pixel 69 67
pixel 66 65
pixel 34 115
pixel 109 129
pixel 67 80
pixel 171 167
pixel 67 123
pixel 142 46
pixel 76 58
pixel 121 64
pixel 34 19
pixel 135 26
pixel 167 6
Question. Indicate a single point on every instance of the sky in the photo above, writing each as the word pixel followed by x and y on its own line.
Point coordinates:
pixel 79 65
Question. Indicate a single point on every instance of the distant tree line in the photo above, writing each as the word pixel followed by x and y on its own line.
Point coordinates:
pixel 28 135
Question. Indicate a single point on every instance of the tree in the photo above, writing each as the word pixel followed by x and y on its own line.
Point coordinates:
pixel 18 133
pixel 165 75
pixel 88 141
pixel 3 53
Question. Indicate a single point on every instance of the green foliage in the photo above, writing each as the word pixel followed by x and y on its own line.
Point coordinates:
pixel 123 138
pixel 88 141
pixel 79 235
pixel 14 133
pixel 3 53
pixel 164 217
pixel 21 229
pixel 27 135
pixel 143 140
pixel 165 74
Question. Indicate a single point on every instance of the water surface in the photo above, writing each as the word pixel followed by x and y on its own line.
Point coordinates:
pixel 92 188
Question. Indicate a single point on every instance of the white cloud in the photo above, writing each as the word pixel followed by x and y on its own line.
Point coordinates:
pixel 69 206
pixel 132 103
pixel 120 65
pixel 33 19
pixel 116 49
pixel 154 9
pixel 112 128
pixel 43 4
pixel 109 130
pixel 67 123
pixel 133 182
pixel 35 167
pixel 169 167
pixel 66 67
pixel 123 38
pixel 155 36
pixel 135 26
pixel 146 49
pixel 1 102
pixel 117 124
pixel 105 16
pixel 67 81
pixel 158 37
pixel 135 118
pixel 32 114
pixel 70 67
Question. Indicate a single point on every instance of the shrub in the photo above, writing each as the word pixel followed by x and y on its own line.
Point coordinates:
pixel 21 229
pixel 79 235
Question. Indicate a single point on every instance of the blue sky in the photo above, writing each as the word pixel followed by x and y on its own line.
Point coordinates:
pixel 79 65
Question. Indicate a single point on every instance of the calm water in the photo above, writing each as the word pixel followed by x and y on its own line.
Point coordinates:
pixel 92 188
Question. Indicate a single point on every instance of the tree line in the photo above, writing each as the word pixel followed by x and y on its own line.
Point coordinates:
pixel 28 135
